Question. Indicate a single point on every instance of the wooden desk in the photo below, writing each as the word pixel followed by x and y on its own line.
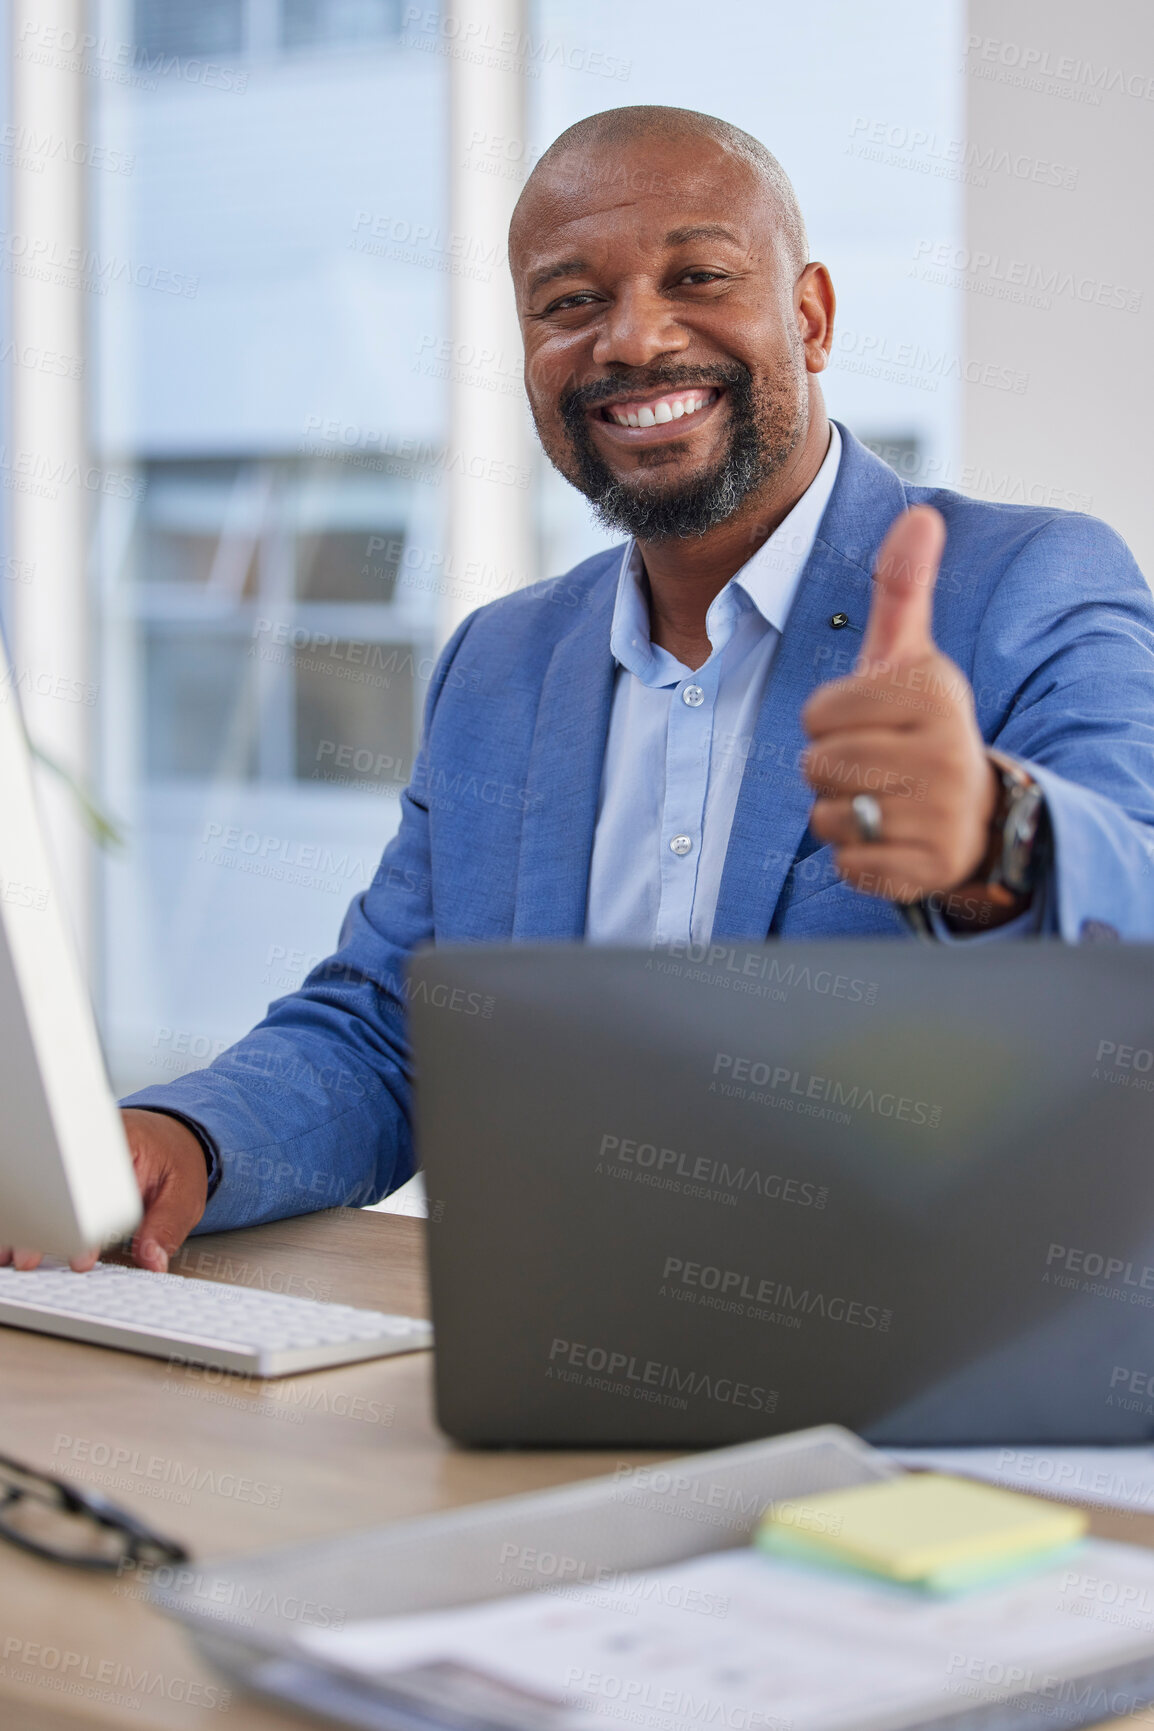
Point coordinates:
pixel 292 1460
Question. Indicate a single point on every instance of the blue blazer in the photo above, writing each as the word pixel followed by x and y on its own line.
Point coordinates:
pixel 1046 613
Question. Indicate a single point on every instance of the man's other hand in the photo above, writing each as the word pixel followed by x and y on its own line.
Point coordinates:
pixel 902 728
pixel 173 1179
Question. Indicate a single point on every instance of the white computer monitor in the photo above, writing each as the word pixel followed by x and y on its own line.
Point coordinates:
pixel 66 1178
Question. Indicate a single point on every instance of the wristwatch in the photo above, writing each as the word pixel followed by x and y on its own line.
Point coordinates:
pixel 1019 834
pixel 1019 846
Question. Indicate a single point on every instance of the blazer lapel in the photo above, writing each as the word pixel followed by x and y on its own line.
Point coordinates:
pixel 564 778
pixel 774 803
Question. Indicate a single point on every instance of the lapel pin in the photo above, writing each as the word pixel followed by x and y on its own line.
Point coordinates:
pixel 838 620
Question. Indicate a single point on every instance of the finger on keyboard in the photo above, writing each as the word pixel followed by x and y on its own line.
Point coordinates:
pixel 29 1259
pixel 150 1254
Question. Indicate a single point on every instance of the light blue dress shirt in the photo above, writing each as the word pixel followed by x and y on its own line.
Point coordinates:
pixel 678 739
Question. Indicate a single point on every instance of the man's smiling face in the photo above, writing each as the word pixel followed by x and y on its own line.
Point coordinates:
pixel 664 359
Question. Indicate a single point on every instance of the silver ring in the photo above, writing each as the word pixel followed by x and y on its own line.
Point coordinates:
pixel 867 815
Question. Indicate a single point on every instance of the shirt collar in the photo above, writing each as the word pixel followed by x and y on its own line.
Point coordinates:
pixel 769 579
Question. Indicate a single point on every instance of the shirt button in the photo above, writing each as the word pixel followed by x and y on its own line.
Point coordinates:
pixel 694 696
pixel 681 844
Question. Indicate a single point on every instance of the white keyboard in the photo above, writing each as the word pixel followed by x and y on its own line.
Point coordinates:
pixel 200 1321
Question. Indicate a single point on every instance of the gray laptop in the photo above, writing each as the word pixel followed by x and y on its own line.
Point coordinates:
pixel 692 1199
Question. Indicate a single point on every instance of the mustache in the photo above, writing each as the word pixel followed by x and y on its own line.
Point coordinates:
pixel 574 403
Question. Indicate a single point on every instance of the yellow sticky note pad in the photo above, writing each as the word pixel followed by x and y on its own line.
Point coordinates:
pixel 920 1524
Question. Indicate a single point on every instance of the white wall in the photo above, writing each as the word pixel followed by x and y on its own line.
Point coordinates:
pixel 1063 91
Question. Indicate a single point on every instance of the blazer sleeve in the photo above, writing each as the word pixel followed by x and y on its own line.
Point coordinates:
pixel 312 1108
pixel 1063 678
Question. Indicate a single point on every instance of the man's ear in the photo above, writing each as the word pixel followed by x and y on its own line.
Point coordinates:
pixel 816 306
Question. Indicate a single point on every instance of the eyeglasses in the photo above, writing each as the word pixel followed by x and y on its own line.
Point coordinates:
pixel 66 1524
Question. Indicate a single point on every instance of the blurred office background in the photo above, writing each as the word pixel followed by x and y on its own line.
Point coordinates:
pixel 302 450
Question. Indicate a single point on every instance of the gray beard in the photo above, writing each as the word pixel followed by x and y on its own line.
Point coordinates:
pixel 765 429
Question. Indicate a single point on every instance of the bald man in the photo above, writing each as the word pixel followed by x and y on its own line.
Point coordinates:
pixel 799 700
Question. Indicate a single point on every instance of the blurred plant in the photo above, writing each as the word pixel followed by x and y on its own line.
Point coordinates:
pixel 100 827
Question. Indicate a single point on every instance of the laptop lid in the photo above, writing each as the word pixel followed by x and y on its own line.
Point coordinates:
pixel 689 1199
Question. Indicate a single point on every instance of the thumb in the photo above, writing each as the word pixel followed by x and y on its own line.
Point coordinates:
pixel 901 611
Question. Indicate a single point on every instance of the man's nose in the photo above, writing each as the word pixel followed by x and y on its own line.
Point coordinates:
pixel 639 327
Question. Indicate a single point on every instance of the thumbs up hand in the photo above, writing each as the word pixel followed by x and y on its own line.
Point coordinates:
pixel 902 729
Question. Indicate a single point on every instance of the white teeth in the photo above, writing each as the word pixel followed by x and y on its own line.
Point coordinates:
pixel 664 411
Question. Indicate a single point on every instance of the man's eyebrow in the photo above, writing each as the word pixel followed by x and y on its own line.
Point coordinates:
pixel 700 231
pixel 675 237
pixel 550 273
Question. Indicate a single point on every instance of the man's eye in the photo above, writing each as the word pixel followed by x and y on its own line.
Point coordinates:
pixel 580 298
pixel 702 276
